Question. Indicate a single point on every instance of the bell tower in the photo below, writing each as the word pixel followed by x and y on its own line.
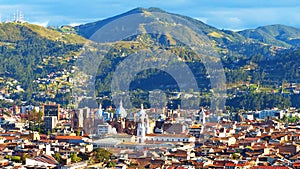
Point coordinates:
pixel 143 125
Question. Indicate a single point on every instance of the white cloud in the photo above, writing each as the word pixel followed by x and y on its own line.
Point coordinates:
pixel 44 24
pixel 234 20
pixel 76 23
pixel 202 19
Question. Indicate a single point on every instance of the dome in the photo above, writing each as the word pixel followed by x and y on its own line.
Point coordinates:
pixel 121 112
pixel 142 115
pixel 142 112
pixel 99 112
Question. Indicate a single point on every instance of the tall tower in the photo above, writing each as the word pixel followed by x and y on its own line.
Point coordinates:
pixel 141 132
pixel 143 125
pixel 21 17
pixel 98 114
pixel 202 119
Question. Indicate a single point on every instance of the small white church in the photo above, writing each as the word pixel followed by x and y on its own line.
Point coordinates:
pixel 144 134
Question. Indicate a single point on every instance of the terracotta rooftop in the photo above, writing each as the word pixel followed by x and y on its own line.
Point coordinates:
pixel 68 137
pixel 269 167
pixel 10 137
pixel 195 126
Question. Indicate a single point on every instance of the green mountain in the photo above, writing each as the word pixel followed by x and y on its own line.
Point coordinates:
pixel 29 52
pixel 87 30
pixel 42 60
pixel 277 35
pixel 12 32
pixel 248 56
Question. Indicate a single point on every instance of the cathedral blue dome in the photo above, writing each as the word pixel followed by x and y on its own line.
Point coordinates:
pixel 121 112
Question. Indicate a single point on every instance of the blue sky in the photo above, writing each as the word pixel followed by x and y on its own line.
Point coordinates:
pixel 224 14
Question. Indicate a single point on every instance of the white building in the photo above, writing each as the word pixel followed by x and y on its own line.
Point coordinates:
pixel 43 161
pixel 143 125
pixel 75 165
pixel 105 128
pixel 269 113
pixel 170 138
pixel 86 112
pixel 24 109
pixel 143 132
pixel 106 142
pixel 200 118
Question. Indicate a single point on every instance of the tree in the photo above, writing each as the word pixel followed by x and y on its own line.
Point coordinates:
pixel 39 119
pixel 102 155
pixel 75 158
pixel 33 117
pixel 284 118
pixel 111 164
pixel 24 156
pixel 57 157
pixel 48 132
pixel 78 132
pixel 16 159
pixel 235 156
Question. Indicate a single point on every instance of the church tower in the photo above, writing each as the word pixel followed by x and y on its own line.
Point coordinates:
pixel 143 125
pixel 99 112
pixel 202 119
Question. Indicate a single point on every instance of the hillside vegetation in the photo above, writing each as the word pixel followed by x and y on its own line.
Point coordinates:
pixel 42 60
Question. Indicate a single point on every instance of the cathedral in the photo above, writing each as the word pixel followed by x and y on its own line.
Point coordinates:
pixel 144 134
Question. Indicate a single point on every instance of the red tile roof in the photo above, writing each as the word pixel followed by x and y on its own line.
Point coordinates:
pixel 68 138
pixel 269 167
pixel 10 137
pixel 230 164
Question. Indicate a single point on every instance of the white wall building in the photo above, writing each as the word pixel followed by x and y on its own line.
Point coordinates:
pixel 170 138
pixel 269 113
pixel 143 125
pixel 105 128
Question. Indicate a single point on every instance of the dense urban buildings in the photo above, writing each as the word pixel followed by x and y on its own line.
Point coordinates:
pixel 153 139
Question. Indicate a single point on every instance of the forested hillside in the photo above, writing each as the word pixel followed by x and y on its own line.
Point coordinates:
pixel 261 65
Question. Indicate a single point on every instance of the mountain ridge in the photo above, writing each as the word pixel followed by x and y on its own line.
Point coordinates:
pixel 87 30
pixel 263 34
pixel 12 31
pixel 276 34
pixel 30 52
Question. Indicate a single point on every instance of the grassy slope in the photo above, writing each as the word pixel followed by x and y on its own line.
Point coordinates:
pixel 11 32
pixel 278 35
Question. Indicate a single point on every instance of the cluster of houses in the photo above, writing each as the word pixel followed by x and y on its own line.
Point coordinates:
pixel 49 88
pixel 149 138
